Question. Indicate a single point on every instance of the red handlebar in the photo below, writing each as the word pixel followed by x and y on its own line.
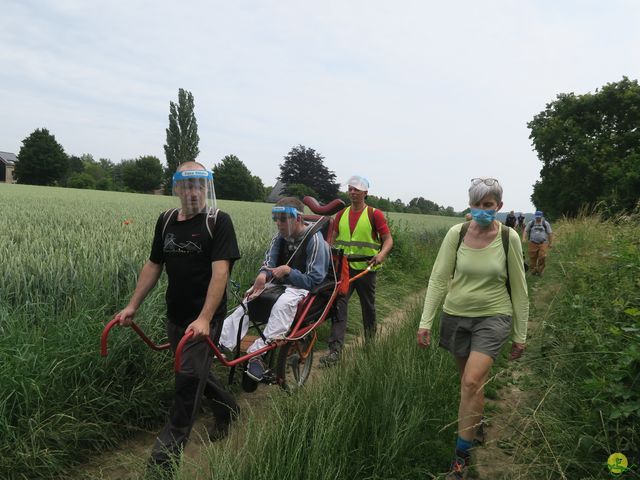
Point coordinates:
pixel 334 206
pixel 361 274
pixel 112 323
pixel 187 336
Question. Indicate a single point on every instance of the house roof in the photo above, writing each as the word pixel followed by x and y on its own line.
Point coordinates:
pixel 276 192
pixel 8 158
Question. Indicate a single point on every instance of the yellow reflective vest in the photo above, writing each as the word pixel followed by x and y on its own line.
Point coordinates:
pixel 360 242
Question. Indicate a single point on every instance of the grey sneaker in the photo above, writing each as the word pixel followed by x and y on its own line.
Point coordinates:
pixel 255 369
pixel 330 359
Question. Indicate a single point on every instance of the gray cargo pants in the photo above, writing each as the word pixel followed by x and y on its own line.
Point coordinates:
pixel 365 287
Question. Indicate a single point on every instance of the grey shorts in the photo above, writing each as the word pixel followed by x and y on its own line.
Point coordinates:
pixel 463 335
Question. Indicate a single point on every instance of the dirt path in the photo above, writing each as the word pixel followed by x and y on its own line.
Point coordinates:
pixel 127 462
pixel 507 415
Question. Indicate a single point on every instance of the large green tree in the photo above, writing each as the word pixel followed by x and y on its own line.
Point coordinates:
pixel 425 206
pixel 182 134
pixel 143 174
pixel 589 146
pixel 233 181
pixel 41 160
pixel 75 164
pixel 305 166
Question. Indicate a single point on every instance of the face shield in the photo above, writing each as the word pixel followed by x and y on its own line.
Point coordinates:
pixel 285 219
pixel 194 189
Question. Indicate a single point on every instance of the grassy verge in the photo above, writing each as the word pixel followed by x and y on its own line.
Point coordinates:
pixel 586 362
pixel 388 412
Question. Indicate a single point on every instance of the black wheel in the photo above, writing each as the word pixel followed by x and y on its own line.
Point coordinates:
pixel 294 362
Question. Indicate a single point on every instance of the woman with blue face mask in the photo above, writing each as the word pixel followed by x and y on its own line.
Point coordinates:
pixel 479 272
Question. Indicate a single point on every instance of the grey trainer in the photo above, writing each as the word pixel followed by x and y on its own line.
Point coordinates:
pixel 330 359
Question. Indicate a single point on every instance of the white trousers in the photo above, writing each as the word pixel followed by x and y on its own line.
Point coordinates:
pixel 280 320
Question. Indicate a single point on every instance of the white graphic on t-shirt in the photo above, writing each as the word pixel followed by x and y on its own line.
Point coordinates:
pixel 171 246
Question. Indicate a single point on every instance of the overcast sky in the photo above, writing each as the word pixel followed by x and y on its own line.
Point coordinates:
pixel 418 96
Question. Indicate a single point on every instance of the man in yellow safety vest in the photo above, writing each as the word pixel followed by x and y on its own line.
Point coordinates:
pixel 359 230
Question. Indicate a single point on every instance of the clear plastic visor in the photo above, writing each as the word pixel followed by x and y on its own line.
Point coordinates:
pixel 194 189
pixel 285 220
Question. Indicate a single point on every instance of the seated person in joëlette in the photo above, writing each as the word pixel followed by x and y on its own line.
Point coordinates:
pixel 296 260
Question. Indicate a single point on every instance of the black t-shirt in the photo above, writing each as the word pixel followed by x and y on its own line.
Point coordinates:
pixel 187 251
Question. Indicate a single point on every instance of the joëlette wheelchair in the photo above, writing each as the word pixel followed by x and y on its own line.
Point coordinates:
pixel 288 359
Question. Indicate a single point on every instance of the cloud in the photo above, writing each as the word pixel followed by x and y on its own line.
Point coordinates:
pixel 421 96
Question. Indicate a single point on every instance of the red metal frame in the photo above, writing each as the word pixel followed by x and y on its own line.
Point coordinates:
pixel 297 331
pixel 136 328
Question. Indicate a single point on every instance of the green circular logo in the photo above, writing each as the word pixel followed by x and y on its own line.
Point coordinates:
pixel 617 463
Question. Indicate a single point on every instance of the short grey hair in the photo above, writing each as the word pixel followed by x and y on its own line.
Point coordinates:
pixel 480 190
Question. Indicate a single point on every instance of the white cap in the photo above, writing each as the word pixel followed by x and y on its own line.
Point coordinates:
pixel 358 182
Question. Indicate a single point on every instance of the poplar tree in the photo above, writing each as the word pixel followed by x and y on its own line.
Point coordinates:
pixel 182 135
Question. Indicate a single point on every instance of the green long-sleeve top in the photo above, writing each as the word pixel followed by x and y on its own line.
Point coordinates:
pixel 478 288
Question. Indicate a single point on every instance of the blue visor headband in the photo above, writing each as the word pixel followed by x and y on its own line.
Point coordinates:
pixel 192 174
pixel 291 211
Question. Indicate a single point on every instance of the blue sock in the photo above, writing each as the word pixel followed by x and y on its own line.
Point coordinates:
pixel 463 446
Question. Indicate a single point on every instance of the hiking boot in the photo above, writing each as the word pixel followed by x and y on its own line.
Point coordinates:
pixel 458 468
pixel 330 359
pixel 219 431
pixel 256 369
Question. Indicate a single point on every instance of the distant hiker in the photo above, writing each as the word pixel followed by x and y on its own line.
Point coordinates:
pixel 482 262
pixel 540 237
pixel 520 222
pixel 197 245
pixel 511 220
pixel 468 217
pixel 360 230
pixel 296 261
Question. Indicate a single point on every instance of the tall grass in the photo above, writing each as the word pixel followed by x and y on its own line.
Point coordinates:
pixel 587 384
pixel 388 412
pixel 70 259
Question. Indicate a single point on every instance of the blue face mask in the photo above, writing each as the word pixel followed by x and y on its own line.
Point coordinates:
pixel 483 217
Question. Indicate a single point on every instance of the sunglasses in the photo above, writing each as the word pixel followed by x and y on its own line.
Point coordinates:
pixel 489 182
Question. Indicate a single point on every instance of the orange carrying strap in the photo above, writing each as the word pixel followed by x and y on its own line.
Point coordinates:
pixel 340 261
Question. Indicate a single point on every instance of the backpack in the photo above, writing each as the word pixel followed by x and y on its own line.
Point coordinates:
pixel 170 215
pixel 544 224
pixel 504 234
